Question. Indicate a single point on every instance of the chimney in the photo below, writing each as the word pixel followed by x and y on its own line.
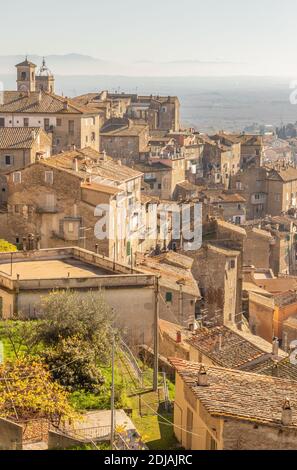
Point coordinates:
pixel 275 370
pixel 75 164
pixel 178 337
pixel 275 346
pixel 119 162
pixel 191 325
pixel 287 415
pixel 65 105
pixel 202 377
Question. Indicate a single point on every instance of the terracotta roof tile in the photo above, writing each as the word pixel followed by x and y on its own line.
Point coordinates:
pixel 239 394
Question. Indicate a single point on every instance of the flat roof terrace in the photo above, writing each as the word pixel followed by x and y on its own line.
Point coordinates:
pixel 63 268
pixel 51 269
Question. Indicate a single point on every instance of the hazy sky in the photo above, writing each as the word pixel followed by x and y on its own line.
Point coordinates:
pixel 253 36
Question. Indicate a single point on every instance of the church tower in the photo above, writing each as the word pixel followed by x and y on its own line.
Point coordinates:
pixel 26 76
pixel 45 81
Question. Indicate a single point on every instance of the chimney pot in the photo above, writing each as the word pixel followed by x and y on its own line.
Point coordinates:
pixel 75 164
pixel 287 414
pixel 275 346
pixel 202 377
pixel 178 337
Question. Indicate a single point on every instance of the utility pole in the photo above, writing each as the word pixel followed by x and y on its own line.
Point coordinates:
pixel 112 423
pixel 156 335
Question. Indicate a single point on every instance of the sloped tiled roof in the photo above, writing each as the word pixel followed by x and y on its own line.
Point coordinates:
pixel 18 137
pixel 40 102
pixel 240 395
pixel 283 369
pixel 91 163
pixel 235 351
pixel 171 273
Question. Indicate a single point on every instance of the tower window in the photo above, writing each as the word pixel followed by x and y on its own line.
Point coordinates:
pixel 23 76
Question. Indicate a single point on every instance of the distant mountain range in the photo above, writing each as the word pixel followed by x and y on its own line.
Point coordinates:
pixel 74 64
pixel 68 64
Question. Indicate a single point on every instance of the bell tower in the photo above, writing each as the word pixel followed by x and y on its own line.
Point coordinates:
pixel 26 76
pixel 45 80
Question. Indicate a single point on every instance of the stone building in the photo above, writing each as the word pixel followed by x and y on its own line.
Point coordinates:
pixel 33 105
pixel 159 112
pixel 221 158
pixel 271 301
pixel 290 332
pixel 273 245
pixel 214 411
pixel 232 204
pixel 268 190
pixel 216 272
pixel 257 247
pixel 179 291
pixel 252 150
pixel 162 175
pixel 252 184
pixel 56 200
pixel 21 146
pixel 109 105
pixel 123 139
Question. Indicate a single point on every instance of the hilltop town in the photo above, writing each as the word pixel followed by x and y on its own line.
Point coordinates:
pixel 125 235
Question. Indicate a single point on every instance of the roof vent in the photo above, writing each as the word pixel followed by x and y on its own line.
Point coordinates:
pixel 202 377
pixel 275 346
pixel 287 414
pixel 75 164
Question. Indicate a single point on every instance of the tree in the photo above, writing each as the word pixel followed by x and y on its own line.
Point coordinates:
pixel 77 331
pixel 22 336
pixel 6 246
pixel 74 365
pixel 27 391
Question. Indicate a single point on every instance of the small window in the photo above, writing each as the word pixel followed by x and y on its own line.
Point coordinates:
pixel 159 186
pixel 93 136
pixel 49 177
pixel 8 160
pixel 59 122
pixel 17 177
pixel 46 124
pixel 168 296
pixel 2 122
pixel 232 264
pixel 71 127
pixel 26 122
pixel 70 227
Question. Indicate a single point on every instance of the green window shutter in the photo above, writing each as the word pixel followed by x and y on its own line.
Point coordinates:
pixel 168 296
pixel 128 248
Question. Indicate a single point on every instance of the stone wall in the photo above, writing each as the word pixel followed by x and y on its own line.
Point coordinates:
pixel 240 435
pixel 11 435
